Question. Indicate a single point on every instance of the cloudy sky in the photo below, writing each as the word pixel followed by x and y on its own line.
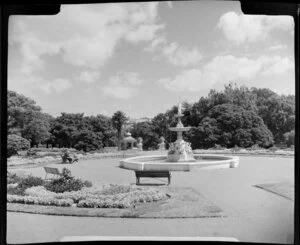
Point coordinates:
pixel 142 58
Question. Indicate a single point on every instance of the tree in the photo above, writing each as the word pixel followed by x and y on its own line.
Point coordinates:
pixel 278 113
pixel 145 130
pixel 16 143
pixel 37 130
pixel 118 120
pixel 20 110
pixel 104 125
pixel 229 125
pixel 26 119
pixel 87 140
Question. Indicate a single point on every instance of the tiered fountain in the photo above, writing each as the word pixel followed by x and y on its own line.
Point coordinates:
pixel 180 157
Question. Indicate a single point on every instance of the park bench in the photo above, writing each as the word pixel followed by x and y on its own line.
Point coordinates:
pixel 53 171
pixel 152 174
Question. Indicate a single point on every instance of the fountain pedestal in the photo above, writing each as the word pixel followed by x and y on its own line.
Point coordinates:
pixel 180 150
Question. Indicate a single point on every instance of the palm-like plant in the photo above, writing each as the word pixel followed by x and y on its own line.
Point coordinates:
pixel 118 120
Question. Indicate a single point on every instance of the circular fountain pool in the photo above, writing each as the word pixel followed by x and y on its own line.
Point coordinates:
pixel 160 163
pixel 180 156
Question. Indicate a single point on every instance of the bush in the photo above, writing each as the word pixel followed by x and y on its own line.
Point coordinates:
pixel 289 138
pixel 62 185
pixel 16 143
pixel 31 181
pixel 12 178
pixel 24 183
pixel 66 183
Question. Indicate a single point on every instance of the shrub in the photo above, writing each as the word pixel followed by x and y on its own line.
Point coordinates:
pixel 24 183
pixel 31 181
pixel 62 185
pixel 16 143
pixel 12 178
pixel 39 191
pixel 289 138
pixel 66 183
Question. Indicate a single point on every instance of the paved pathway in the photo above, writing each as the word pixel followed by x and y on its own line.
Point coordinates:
pixel 254 215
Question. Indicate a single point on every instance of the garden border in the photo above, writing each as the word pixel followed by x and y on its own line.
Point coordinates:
pixel 195 206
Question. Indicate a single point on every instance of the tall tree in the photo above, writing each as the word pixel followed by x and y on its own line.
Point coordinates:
pixel 26 119
pixel 148 134
pixel 229 125
pixel 118 120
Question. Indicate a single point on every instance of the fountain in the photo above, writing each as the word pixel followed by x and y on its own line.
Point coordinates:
pixel 180 150
pixel 180 156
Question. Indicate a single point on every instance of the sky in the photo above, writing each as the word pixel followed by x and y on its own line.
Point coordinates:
pixel 143 58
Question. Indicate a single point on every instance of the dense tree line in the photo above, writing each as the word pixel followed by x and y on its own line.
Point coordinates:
pixel 236 116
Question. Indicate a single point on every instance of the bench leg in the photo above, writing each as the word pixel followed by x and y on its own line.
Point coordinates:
pixel 169 180
pixel 137 180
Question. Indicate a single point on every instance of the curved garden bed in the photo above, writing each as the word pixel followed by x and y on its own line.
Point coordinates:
pixel 68 191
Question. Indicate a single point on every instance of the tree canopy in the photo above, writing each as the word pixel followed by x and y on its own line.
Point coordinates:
pixel 234 116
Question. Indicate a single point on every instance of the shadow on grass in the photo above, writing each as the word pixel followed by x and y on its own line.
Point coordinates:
pixel 151 184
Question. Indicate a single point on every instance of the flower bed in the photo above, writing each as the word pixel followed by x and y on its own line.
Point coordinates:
pixel 96 195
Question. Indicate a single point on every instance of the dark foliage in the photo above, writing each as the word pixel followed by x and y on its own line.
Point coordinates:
pixel 66 183
pixel 16 143
pixel 24 183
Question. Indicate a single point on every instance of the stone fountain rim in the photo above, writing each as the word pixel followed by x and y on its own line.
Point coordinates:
pixel 224 162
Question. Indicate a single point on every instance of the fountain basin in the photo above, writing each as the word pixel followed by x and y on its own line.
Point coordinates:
pixel 159 163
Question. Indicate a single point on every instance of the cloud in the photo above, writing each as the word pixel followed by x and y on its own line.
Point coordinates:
pixel 89 76
pixel 36 83
pixel 280 65
pixel 188 80
pixel 143 33
pixel 181 56
pixel 174 53
pixel 224 69
pixel 58 85
pixel 155 44
pixel 85 35
pixel 277 47
pixel 240 28
pixel 123 85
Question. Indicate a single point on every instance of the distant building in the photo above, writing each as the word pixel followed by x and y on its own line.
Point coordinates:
pixel 132 121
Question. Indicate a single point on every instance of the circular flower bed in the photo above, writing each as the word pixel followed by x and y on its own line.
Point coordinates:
pixel 68 191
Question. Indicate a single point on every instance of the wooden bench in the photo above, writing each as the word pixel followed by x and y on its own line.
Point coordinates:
pixel 152 174
pixel 53 171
